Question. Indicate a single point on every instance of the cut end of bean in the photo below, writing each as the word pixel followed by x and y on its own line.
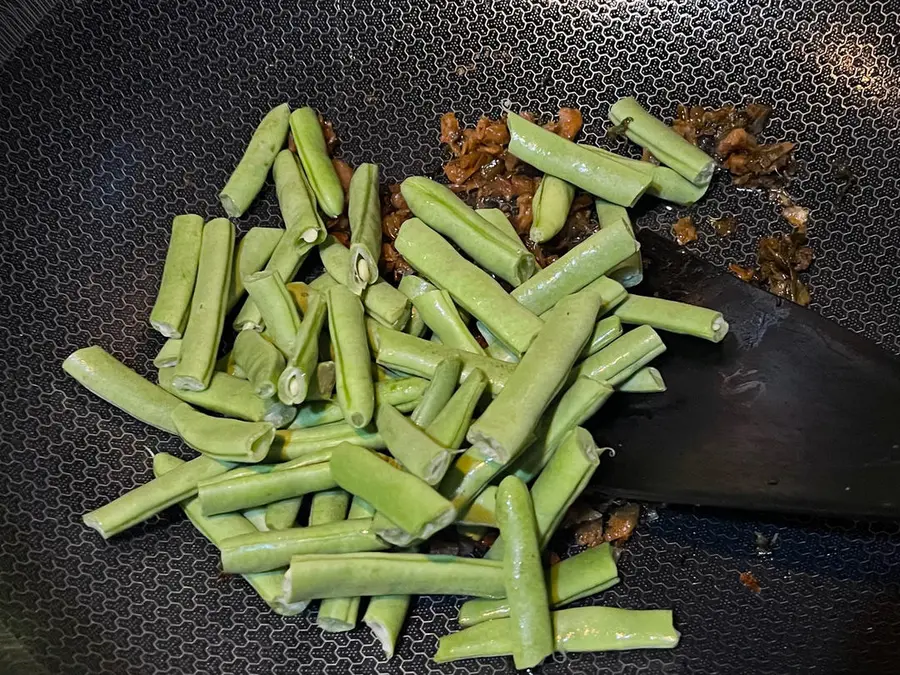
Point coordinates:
pixel 362 271
pixel 719 329
pixel 186 383
pixel 166 329
pixel 232 209
pixel 310 235
pixel 381 633
pixel 357 420
pixel 279 606
pixel 94 524
pixel 332 625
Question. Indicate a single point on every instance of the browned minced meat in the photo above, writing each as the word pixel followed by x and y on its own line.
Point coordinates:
pixel 684 230
pixel 750 581
pixel 622 522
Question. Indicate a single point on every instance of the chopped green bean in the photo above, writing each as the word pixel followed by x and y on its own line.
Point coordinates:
pixel 439 391
pixel 295 379
pixel 316 163
pixel 173 302
pixel 672 316
pixel 204 328
pixel 117 384
pixel 339 614
pixel 411 446
pixel 260 361
pixel 647 380
pixel 403 393
pixel 276 306
pixel 364 214
pixel 251 253
pixel 296 199
pixel 168 355
pixel 385 616
pixel 346 325
pixel 630 272
pixel 550 206
pixel 450 425
pixel 623 357
pixel 222 438
pixel 293 443
pixel 475 290
pixel 250 173
pixel 440 314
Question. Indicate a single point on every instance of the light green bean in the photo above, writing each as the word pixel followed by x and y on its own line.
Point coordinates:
pixel 346 325
pixel 204 328
pixel 364 214
pixel 168 355
pixel 662 142
pixel 551 205
pixel 146 500
pixel 339 614
pixel 672 316
pixel 411 446
pixel 438 207
pixel 173 302
pixel 623 357
pixel 293 443
pixel 328 507
pixel 452 422
pixel 439 392
pixel 403 393
pixel 440 314
pixel 582 629
pixel 316 163
pixel 630 272
pixel 312 577
pixel 498 219
pixel 580 266
pixel 385 616
pixel 232 397
pixel 420 357
pixel 276 306
pixel 222 438
pixel 506 426
pixel 260 361
pixel 557 156
pixel 476 291
pixel 117 384
pixel 295 379
pixel 250 173
pixel 296 199
pixel 409 502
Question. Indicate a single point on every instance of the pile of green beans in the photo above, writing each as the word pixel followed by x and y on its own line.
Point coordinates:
pixel 334 394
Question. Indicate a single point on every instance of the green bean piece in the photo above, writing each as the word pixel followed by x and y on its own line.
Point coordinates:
pixel 412 286
pixel 526 590
pixel 507 424
pixel 482 511
pixel 450 425
pixel 219 528
pixel 204 328
pixel 173 302
pixel 582 629
pixel 346 325
pixel 259 360
pixel 339 614
pixel 296 199
pixel 629 272
pixel 420 357
pixel 314 576
pixel 266 551
pixel 383 302
pixel 475 290
pixel 623 357
pixel 233 397
pixel 672 316
pixel 562 481
pixel 409 502
pixel 276 306
pixel 551 205
pixel 411 446
pixel 662 142
pixel 250 173
pixel 439 391
pixel 665 183
pixel 282 515
pixel 605 331
pixel 439 208
pixel 294 443
pixel 415 326
pixel 577 405
pixel 222 438
pixel 440 314
pixel 146 500
pixel 364 213
pixel 498 219
pixel 286 481
pixel 328 507
pixel 251 253
pixel 556 156
pixel 296 377
pixel 647 380
pixel 286 259
pixel 385 616
pixel 469 474
pixel 317 166
pixel 322 386
pixel 403 393
pixel 117 384
pixel 595 256
pixel 168 355
pixel 586 573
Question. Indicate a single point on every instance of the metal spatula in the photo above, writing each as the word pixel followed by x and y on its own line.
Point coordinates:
pixel 789 413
